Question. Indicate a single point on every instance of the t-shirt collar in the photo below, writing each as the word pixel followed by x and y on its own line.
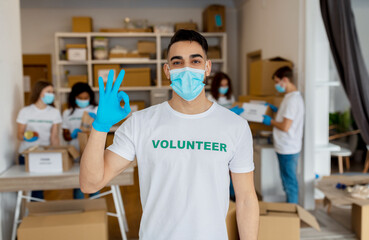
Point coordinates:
pixel 190 116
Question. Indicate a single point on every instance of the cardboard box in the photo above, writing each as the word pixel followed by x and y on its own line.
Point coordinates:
pixel 275 100
pixel 214 52
pixel 213 19
pixel 82 140
pixel 281 221
pixel 137 77
pixel 76 52
pixel 185 25
pixel 253 112
pixel 50 159
pixel 66 219
pixel 231 222
pixel 146 47
pixel 103 71
pixel 360 220
pixel 261 82
pixel 82 24
pixel 73 79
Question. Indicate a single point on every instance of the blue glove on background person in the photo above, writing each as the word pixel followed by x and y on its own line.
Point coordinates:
pixel 267 120
pixel 75 132
pixel 109 111
pixel 93 115
pixel 237 110
pixel 274 108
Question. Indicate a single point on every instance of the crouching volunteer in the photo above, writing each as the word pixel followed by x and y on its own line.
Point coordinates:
pixel 185 149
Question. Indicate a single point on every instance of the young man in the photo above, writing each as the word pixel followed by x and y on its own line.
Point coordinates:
pixel 287 131
pixel 185 149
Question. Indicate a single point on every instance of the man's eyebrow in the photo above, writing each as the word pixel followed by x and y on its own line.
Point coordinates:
pixel 195 56
pixel 176 57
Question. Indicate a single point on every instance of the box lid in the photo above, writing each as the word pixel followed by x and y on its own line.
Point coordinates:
pixel 66 206
pixel 72 151
pixel 270 208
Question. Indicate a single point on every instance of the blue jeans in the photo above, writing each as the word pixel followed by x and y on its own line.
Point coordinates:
pixel 288 169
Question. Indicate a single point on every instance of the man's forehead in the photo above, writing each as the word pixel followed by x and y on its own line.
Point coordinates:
pixel 186 49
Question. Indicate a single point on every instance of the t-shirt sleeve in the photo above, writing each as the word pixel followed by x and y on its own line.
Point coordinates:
pixel 242 160
pixel 65 119
pixel 21 118
pixel 291 109
pixel 57 118
pixel 123 143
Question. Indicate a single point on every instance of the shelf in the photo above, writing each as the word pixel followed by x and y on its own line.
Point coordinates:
pixel 64 62
pixel 327 147
pixel 125 61
pixel 328 84
pixel 129 34
pixel 148 88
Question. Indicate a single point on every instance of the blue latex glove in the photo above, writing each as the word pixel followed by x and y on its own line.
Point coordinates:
pixel 267 120
pixel 93 115
pixel 75 133
pixel 109 111
pixel 274 108
pixel 31 139
pixel 237 110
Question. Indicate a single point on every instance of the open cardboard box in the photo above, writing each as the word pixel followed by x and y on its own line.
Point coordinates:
pixel 50 158
pixel 281 221
pixel 65 219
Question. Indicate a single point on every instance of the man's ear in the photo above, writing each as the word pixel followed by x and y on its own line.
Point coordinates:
pixel 166 70
pixel 207 68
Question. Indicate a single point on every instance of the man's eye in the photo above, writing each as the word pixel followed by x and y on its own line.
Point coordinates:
pixel 176 63
pixel 196 61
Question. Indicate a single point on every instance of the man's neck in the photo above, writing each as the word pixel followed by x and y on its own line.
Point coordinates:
pixel 196 106
pixel 291 88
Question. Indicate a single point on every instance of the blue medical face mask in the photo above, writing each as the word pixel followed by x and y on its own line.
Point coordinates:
pixel 187 82
pixel 280 88
pixel 82 103
pixel 223 90
pixel 48 98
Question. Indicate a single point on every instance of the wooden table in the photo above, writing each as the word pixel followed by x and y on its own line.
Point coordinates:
pixel 16 179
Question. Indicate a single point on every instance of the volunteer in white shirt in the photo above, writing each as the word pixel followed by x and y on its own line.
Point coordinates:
pixel 287 131
pixel 185 149
pixel 81 99
pixel 38 123
pixel 221 90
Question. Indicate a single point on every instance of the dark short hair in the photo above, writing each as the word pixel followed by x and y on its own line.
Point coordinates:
pixel 37 89
pixel 283 72
pixel 77 89
pixel 189 35
pixel 215 84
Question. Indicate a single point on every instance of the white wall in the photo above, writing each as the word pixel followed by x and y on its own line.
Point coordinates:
pixel 11 95
pixel 272 26
pixel 38 37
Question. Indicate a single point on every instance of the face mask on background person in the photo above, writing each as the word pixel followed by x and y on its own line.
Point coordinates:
pixel 48 98
pixel 280 88
pixel 187 82
pixel 223 90
pixel 82 103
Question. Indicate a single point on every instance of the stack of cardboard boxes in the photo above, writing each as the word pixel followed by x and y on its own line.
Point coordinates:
pixel 261 88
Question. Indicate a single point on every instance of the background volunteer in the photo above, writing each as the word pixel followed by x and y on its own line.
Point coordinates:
pixel 38 123
pixel 221 90
pixel 185 149
pixel 287 131
pixel 80 100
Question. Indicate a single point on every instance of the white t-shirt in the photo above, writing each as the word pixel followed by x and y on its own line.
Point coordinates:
pixel 223 101
pixel 292 107
pixel 40 121
pixel 183 164
pixel 73 121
